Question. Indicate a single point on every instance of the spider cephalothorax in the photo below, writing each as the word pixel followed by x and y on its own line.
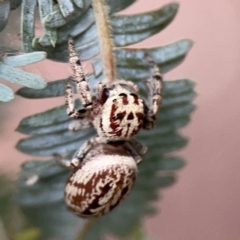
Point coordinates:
pixel 104 168
pixel 121 115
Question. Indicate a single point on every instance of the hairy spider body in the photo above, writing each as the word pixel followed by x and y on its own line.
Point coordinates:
pixel 104 168
pixel 100 181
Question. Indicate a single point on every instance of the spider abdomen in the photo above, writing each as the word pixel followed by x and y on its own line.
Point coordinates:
pixel 99 184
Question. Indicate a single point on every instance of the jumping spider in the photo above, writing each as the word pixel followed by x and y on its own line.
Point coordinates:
pixel 104 168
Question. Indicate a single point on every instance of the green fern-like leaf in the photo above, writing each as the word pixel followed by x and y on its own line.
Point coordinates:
pixel 41 183
pixel 9 72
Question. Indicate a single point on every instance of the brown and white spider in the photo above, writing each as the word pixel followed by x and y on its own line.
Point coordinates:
pixel 104 168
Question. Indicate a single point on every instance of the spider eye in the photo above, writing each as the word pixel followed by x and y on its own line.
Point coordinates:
pixel 123 94
pixel 78 62
pixel 82 110
pixel 105 95
pixel 114 117
pixel 134 95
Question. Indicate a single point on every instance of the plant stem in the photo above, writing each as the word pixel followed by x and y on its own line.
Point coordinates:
pixel 84 230
pixel 106 52
pixel 105 39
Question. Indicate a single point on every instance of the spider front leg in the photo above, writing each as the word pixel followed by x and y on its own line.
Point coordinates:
pixel 81 83
pixel 84 149
pixel 136 149
pixel 80 153
pixel 154 85
pixel 71 111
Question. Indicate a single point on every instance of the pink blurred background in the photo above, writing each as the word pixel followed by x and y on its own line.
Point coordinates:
pixel 204 203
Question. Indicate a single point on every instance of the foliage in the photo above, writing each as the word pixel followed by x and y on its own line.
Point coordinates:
pixel 41 183
pixel 9 62
pixel 5 7
pixel 9 72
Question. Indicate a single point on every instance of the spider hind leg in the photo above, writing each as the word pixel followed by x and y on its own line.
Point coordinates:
pixel 154 85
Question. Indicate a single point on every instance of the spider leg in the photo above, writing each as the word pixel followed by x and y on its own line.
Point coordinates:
pixel 100 89
pixel 71 111
pixel 103 92
pixel 154 85
pixel 79 125
pixel 84 149
pixel 79 155
pixel 79 77
pixel 136 149
pixel 69 164
pixel 138 146
pixel 63 162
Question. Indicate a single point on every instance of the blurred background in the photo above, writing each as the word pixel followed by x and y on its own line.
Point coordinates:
pixel 204 202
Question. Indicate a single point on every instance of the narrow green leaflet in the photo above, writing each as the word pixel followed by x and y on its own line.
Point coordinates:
pixel 53 89
pixel 78 26
pixel 60 142
pixel 27 24
pixel 73 28
pixel 116 6
pixel 43 122
pixel 166 57
pixel 57 20
pixel 135 57
pixel 128 30
pixel 50 35
pixel 15 75
pixel 6 93
pixel 79 3
pixel 167 163
pixel 66 8
pixel 12 74
pixel 24 59
pixel 4 13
